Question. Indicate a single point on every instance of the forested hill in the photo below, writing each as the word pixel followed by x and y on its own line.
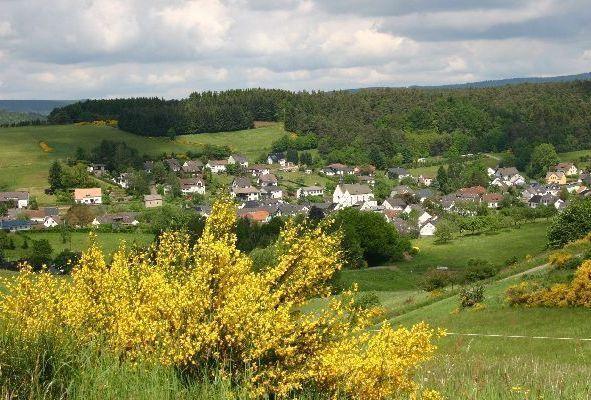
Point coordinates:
pixel 378 126
pixel 42 107
pixel 513 81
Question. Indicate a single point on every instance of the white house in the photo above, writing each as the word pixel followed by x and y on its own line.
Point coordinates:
pixel 347 195
pixel 122 180
pixel 394 203
pixel 245 194
pixel 238 159
pixel 276 158
pixel 259 169
pixel 427 229
pixel 51 221
pixel 217 166
pixel 267 180
pixel 192 185
pixel 271 192
pixel 20 199
pixel 425 180
pixel 310 191
pixel 88 196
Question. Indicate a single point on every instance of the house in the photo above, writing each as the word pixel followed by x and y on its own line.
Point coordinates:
pixel 203 210
pixel 401 190
pixel 390 214
pixel 267 180
pixel 256 215
pixel 192 185
pixel 289 210
pixel 347 195
pixel 152 200
pixel 556 177
pixel 309 191
pixel 173 164
pixel 259 169
pixel 569 169
pixel 245 194
pixel 398 173
pixel 20 199
pixel 242 182
pixel 238 159
pixel 123 180
pixel 271 192
pixel 366 180
pixel 425 180
pixel 37 216
pixel 51 221
pixel 14 225
pixel 122 218
pixel 492 200
pixel 394 203
pixel 428 228
pixel 192 167
pixel 424 194
pixel 507 177
pixel 337 169
pixel 546 199
pixel 473 190
pixel 97 169
pixel 422 215
pixel 402 226
pixel 88 196
pixel 217 166
pixel 148 166
pixel 276 158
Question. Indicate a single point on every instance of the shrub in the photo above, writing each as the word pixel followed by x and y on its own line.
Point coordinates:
pixel 478 270
pixel 366 301
pixel 435 279
pixel 195 306
pixel 471 295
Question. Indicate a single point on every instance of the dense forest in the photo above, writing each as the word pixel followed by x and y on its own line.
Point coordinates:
pixel 13 118
pixel 378 126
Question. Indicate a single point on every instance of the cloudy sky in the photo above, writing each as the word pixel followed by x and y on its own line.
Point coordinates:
pixel 69 49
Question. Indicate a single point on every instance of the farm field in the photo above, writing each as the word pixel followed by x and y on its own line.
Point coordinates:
pixel 530 239
pixel 481 367
pixel 24 163
pixel 109 242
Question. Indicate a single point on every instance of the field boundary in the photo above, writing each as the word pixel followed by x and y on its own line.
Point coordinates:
pixel 492 335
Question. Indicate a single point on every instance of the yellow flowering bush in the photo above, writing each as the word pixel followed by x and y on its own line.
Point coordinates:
pixel 205 305
pixel 575 293
pixel 559 259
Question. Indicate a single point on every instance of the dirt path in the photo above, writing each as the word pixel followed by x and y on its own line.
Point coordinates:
pixel 526 272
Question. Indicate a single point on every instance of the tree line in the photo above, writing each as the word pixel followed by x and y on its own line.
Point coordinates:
pixel 378 126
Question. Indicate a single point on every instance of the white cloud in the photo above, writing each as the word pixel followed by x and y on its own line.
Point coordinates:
pixel 108 48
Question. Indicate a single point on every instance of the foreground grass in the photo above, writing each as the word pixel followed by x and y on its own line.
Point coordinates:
pixel 496 248
pixel 502 367
pixel 24 164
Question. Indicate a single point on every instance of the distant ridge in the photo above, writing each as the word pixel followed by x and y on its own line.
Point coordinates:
pixel 494 82
pixel 42 107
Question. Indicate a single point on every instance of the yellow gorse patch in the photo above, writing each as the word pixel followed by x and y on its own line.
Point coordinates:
pixel 190 306
pixel 45 147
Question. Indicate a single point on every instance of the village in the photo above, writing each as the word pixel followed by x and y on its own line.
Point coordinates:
pixel 414 205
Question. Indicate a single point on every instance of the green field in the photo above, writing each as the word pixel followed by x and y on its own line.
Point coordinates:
pixel 109 242
pixel 24 163
pixel 497 248
pixel 484 367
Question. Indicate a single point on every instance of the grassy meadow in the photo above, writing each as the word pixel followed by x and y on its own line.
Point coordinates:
pixel 108 241
pixel 27 152
pixel 497 248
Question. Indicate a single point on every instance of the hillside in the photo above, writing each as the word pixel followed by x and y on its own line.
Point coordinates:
pixel 43 107
pixel 510 81
pixel 24 163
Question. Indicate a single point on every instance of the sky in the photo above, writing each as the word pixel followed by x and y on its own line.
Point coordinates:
pixel 73 49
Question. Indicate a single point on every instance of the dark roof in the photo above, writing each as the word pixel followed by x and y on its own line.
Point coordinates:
pixel 14 223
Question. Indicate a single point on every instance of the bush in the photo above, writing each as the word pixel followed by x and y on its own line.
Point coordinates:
pixel 471 295
pixel 189 306
pixel 435 279
pixel 366 301
pixel 478 270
